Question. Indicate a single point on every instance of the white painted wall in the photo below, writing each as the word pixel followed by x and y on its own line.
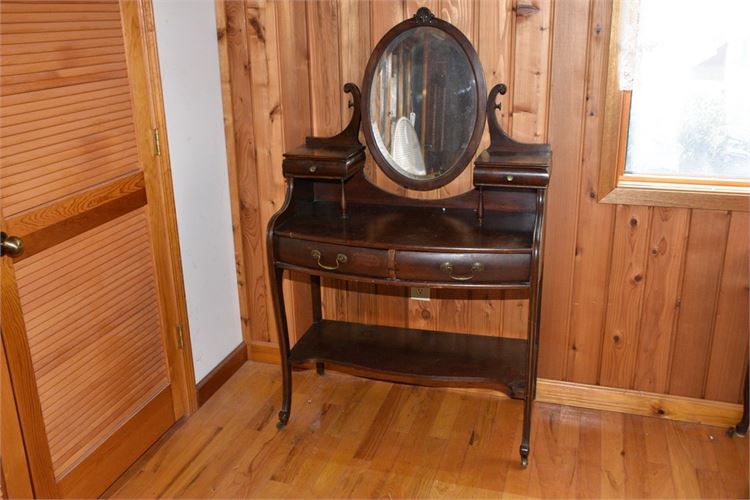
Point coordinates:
pixel 189 60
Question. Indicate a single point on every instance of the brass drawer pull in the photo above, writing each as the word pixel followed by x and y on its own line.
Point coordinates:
pixel 340 259
pixel 312 169
pixel 509 178
pixel 447 268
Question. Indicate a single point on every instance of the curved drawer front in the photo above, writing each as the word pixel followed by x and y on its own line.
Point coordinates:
pixel 333 258
pixel 463 267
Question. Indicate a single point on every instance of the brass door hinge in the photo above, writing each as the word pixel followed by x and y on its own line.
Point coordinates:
pixel 157 142
pixel 180 337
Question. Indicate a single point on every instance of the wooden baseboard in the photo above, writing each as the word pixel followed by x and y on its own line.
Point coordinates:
pixel 223 371
pixel 701 411
pixel 596 397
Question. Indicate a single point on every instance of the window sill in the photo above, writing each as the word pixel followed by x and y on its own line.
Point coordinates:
pixel 677 195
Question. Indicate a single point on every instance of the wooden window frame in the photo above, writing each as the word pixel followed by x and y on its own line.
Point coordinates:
pixel 617 187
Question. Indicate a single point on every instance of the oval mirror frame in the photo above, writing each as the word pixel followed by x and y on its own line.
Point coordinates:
pixel 424 18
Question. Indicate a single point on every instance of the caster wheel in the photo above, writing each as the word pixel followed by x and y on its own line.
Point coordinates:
pixel 524 462
pixel 280 425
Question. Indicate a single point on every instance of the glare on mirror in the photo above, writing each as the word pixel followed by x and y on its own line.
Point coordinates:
pixel 423 103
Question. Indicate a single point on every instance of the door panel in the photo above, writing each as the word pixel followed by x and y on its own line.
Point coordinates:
pixel 67 120
pixel 90 308
pixel 94 331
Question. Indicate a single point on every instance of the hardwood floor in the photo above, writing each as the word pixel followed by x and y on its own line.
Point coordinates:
pixel 351 437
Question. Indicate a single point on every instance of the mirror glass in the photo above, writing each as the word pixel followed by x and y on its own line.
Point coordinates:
pixel 423 103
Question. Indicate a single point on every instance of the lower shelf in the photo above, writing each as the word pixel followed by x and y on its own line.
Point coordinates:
pixel 418 356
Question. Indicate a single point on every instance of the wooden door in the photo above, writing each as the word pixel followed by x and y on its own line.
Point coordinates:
pixel 92 306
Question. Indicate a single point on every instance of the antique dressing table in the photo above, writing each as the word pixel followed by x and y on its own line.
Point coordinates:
pixel 422 112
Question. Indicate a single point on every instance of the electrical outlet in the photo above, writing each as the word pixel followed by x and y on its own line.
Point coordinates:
pixel 420 293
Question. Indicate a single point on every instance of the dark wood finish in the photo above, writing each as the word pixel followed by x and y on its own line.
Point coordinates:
pixel 424 17
pixel 398 354
pixel 410 228
pixel 335 223
pixel 324 162
pixel 463 267
pixel 221 373
pixel 507 162
pixel 741 428
pixel 317 255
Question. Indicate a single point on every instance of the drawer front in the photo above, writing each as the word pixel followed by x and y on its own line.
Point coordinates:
pixel 510 177
pixel 314 168
pixel 462 267
pixel 333 258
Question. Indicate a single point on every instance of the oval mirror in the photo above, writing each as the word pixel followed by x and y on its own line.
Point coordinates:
pixel 423 102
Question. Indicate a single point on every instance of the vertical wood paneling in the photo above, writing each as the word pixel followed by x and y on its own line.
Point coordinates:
pixel 355 47
pixel 666 253
pixel 625 295
pixel 244 140
pixel 296 122
pixel 494 40
pixel 730 337
pixel 325 104
pixel 531 72
pixel 528 113
pixel 325 77
pixel 594 227
pixel 567 101
pixel 266 102
pixel 703 265
pixel 603 280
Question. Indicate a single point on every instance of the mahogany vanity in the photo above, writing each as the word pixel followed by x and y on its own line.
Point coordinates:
pixel 422 113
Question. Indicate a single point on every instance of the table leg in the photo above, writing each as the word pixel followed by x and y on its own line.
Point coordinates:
pixel 286 368
pixel 317 312
pixel 741 428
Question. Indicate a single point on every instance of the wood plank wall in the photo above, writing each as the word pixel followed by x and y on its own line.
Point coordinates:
pixel 635 297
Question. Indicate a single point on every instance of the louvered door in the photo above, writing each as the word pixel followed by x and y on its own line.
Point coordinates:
pixel 89 308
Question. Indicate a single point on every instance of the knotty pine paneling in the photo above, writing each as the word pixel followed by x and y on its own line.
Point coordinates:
pixel 656 304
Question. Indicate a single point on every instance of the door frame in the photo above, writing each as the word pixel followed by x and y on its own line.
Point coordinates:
pixel 148 114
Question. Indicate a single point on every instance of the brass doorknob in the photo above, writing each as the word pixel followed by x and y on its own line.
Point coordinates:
pixel 11 246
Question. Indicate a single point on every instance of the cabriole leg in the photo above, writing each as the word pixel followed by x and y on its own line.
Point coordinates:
pixel 286 368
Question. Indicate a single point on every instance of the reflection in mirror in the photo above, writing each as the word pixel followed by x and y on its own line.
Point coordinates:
pixel 423 103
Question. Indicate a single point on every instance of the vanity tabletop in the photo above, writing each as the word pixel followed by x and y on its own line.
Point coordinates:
pixel 410 227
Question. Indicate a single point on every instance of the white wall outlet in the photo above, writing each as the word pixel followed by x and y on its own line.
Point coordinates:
pixel 419 293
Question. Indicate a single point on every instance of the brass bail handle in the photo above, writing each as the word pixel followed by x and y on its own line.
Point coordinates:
pixel 12 246
pixel 447 268
pixel 340 259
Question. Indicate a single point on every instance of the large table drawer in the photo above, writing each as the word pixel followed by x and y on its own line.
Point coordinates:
pixel 463 267
pixel 334 258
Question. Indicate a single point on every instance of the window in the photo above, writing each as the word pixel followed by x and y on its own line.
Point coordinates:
pixel 677 117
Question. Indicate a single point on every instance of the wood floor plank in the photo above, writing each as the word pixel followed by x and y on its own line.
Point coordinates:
pixel 354 438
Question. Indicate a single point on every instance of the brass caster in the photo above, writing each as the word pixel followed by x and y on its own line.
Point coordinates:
pixel 524 462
